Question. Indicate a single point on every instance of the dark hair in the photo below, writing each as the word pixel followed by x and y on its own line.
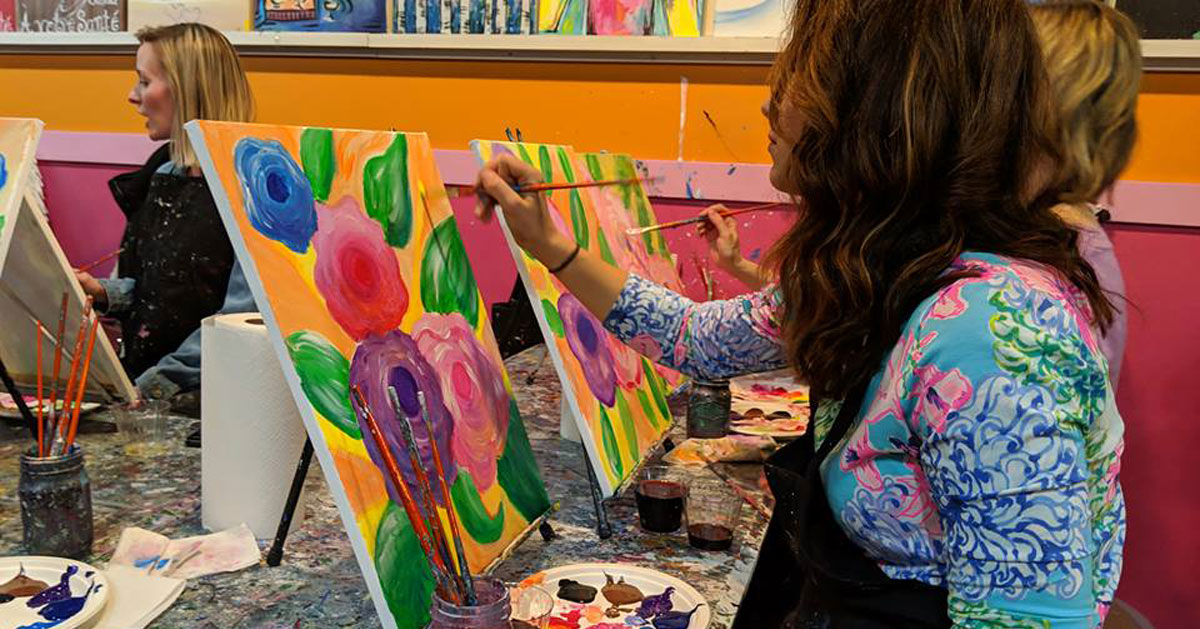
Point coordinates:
pixel 925 126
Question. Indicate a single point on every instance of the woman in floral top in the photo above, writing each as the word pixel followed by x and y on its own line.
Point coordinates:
pixel 976 477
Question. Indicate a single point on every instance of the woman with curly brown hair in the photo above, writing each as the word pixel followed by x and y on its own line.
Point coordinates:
pixel 962 464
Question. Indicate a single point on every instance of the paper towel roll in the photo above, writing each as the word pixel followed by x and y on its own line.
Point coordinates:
pixel 252 434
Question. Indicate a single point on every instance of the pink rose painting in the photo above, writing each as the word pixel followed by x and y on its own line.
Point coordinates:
pixel 473 390
pixel 357 272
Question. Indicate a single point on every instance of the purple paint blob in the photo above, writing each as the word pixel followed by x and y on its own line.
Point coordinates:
pixel 60 592
pixel 658 604
pixel 63 610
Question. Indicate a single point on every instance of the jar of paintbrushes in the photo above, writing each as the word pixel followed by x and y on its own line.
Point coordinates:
pixel 54 490
pixel 56 504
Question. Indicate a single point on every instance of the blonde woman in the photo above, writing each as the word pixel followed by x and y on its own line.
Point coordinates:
pixel 1094 60
pixel 175 267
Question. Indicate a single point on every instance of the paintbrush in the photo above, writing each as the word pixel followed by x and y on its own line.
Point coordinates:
pixel 737 489
pixel 56 433
pixel 638 231
pixel 564 185
pixel 425 488
pixel 409 505
pixel 40 411
pixel 58 350
pixel 179 560
pixel 463 569
pixel 82 388
pixel 95 263
pixel 19 399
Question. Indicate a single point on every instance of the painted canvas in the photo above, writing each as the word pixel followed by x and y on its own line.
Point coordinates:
pixel 353 255
pixel 71 16
pixel 668 18
pixel 8 16
pixel 34 274
pixel 507 17
pixel 750 18
pixel 361 16
pixel 225 15
pixel 619 208
pixel 617 397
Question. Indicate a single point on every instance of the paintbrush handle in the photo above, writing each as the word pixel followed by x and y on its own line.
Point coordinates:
pixel 95 263
pixel 423 485
pixel 393 470
pixel 638 231
pixel 464 570
pixel 555 185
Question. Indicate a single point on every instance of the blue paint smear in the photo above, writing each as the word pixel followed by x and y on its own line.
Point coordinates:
pixel 410 16
pixel 433 16
pixel 688 188
pixel 3 170
pixel 513 27
pixel 755 255
pixel 456 17
pixel 64 610
pixel 475 17
pixel 495 17
pixel 42 624
pixel 732 168
pixel 145 563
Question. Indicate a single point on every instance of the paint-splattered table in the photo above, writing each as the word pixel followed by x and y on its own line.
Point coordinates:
pixel 319 584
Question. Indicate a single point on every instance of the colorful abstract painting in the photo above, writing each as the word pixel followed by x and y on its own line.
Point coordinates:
pixel 673 18
pixel 8 16
pixel 498 17
pixel 750 18
pixel 362 16
pixel 620 208
pixel 225 15
pixel 615 394
pixel 353 255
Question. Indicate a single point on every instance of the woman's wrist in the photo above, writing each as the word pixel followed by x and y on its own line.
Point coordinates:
pixel 553 251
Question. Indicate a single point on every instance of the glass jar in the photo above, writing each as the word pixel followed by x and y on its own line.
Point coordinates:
pixel 492 611
pixel 56 504
pixel 708 409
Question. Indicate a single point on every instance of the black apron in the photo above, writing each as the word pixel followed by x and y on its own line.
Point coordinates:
pixel 809 574
pixel 177 250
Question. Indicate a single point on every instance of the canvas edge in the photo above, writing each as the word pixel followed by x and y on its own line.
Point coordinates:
pixel 589 442
pixel 195 131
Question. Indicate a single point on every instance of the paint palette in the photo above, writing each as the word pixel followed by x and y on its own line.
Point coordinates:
pixel 9 410
pixel 772 394
pixel 759 426
pixel 666 600
pixel 44 592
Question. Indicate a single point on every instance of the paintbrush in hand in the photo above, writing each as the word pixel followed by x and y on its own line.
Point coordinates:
pixel 425 488
pixel 638 231
pixel 95 263
pixel 463 569
pixel 564 185
pixel 409 505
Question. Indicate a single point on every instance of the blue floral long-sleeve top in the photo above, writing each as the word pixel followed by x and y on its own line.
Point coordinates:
pixel 986 452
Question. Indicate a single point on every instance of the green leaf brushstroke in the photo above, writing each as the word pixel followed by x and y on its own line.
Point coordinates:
pixel 565 161
pixel 386 192
pixel 325 378
pixel 447 282
pixel 547 165
pixel 660 397
pixel 316 156
pixel 404 572
pixel 552 318
pixel 605 251
pixel 631 437
pixel 608 438
pixel 647 408
pixel 517 470
pixel 579 220
pixel 481 526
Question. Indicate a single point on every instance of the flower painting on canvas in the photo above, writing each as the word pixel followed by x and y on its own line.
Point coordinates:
pixel 616 395
pixel 352 252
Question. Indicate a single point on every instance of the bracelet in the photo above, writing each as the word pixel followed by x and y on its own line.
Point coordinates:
pixel 569 260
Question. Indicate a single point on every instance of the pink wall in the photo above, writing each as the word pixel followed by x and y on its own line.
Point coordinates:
pixel 84 216
pixel 1158 392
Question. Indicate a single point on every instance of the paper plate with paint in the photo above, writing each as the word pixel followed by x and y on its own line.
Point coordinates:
pixel 8 407
pixel 760 426
pixel 604 596
pixel 43 592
